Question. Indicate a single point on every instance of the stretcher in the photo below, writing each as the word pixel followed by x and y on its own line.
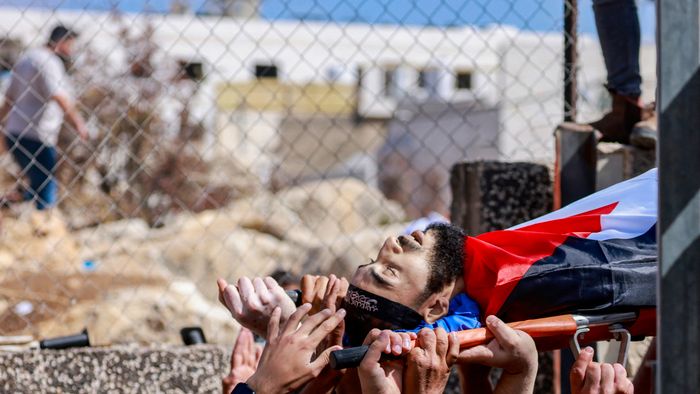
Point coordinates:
pixel 549 333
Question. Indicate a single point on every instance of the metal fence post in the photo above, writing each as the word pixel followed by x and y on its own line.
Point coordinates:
pixel 570 58
pixel 679 196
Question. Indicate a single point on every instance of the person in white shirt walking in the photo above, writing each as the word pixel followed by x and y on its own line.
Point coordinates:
pixel 36 101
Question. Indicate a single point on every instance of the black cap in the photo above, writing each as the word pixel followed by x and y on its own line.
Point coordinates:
pixel 61 32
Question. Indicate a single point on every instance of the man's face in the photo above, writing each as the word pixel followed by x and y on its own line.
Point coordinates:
pixel 401 270
pixel 64 47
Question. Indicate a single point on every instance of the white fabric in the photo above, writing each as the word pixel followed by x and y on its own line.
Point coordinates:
pixel 634 215
pixel 38 75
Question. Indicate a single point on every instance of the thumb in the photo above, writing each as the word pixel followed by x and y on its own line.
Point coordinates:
pixel 478 355
pixel 221 283
pixel 324 358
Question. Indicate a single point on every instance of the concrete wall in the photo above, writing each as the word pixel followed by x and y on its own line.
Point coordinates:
pixel 118 369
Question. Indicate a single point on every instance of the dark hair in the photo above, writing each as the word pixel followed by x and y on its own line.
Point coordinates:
pixel 61 32
pixel 285 278
pixel 446 259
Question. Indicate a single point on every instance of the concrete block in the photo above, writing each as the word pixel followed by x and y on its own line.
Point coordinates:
pixel 617 162
pixel 118 369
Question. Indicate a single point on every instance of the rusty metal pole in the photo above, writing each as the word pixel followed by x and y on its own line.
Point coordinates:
pixel 570 58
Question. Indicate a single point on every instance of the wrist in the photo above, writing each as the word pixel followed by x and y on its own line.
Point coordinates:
pixel 260 385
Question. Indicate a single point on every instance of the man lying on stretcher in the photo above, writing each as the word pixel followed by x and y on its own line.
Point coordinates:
pixel 598 254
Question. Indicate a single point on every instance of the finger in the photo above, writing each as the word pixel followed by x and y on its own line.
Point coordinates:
pixel 441 342
pixel 233 301
pixel 427 340
pixel 320 286
pixel 295 318
pixel 249 341
pixel 372 336
pixel 376 348
pixel 319 290
pixel 323 359
pixel 332 279
pixel 245 287
pixel 261 291
pixel 221 284
pixel 344 284
pixel 396 343
pixel 453 349
pixel 406 341
pixel 307 288
pixel 313 321
pixel 274 288
pixel 607 378
pixel 478 354
pixel 243 346
pixel 237 357
pixel 273 326
pixel 591 382
pixel 331 296
pixel 505 336
pixel 327 326
pixel 578 370
pixel 621 381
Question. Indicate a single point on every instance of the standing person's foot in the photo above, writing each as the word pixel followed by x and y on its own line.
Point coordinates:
pixel 645 133
pixel 616 125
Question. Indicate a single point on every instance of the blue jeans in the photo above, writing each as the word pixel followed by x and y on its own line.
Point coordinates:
pixel 618 30
pixel 38 163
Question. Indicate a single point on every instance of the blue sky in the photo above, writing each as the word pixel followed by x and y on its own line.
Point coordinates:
pixel 539 15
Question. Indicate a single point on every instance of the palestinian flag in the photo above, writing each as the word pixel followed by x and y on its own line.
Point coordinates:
pixel 596 254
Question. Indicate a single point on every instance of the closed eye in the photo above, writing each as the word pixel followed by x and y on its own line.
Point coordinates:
pixel 377 278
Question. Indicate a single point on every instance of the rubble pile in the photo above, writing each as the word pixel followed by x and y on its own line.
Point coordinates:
pixel 127 281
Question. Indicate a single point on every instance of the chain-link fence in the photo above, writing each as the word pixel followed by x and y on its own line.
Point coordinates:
pixel 244 137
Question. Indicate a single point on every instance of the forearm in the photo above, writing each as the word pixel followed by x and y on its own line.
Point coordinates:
pixel 474 379
pixel 4 110
pixel 522 383
pixel 71 112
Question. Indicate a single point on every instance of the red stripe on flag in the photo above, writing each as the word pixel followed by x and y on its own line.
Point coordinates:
pixel 497 260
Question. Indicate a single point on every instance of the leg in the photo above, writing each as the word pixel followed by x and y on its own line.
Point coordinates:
pixel 618 30
pixel 41 177
pixel 37 162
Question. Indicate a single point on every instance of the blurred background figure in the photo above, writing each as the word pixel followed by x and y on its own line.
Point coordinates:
pixel 36 101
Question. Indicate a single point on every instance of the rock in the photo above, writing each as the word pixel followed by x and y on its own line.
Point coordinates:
pixel 145 314
pixel 38 240
pixel 337 207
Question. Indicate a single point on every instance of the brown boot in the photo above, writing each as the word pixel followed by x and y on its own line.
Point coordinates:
pixel 617 124
pixel 645 133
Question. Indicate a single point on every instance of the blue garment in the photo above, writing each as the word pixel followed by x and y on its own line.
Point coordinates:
pixel 37 161
pixel 617 23
pixel 463 314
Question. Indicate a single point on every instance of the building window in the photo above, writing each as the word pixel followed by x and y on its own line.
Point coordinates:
pixel 390 82
pixel 422 83
pixel 191 70
pixel 265 71
pixel 463 80
pixel 429 80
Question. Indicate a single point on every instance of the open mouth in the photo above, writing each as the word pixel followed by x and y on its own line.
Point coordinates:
pixel 408 241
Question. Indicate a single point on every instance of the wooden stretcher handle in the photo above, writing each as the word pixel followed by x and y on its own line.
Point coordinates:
pixel 563 325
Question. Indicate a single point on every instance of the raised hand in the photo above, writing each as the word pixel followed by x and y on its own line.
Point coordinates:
pixel 251 302
pixel 288 362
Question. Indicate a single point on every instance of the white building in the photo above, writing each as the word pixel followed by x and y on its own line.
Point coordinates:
pixel 345 69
